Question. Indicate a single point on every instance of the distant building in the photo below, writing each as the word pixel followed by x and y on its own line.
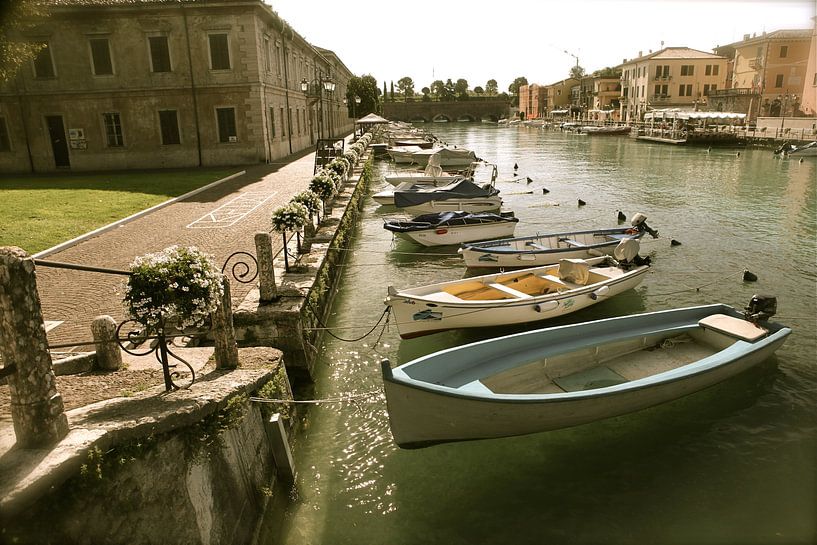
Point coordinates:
pixel 533 101
pixel 674 77
pixel 769 75
pixel 129 84
pixel 559 94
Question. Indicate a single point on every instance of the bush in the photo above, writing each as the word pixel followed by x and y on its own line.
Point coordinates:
pixel 309 199
pixel 323 186
pixel 179 285
pixel 291 217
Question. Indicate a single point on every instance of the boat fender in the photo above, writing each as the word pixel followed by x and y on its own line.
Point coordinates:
pixel 441 231
pixel 546 307
pixel 602 291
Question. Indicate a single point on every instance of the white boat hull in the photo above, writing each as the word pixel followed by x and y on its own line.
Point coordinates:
pixel 458 234
pixel 476 259
pixel 482 204
pixel 418 315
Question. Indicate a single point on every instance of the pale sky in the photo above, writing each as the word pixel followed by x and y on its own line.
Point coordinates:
pixel 480 40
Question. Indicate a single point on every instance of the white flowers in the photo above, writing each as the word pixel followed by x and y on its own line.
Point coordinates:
pixel 179 285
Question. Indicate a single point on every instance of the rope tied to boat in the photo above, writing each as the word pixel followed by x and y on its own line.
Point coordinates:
pixel 366 397
pixel 386 314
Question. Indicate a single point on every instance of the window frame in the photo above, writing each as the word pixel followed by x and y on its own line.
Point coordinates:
pixel 222 132
pixel 169 58
pixel 778 81
pixel 91 40
pixel 119 137
pixel 34 60
pixel 784 51
pixel 210 36
pixel 162 132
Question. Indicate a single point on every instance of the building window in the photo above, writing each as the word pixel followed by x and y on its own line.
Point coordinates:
pixel 219 52
pixel 778 80
pixel 169 124
pixel 685 90
pixel 271 122
pixel 283 127
pixel 225 118
pixel 5 142
pixel 113 130
pixel 267 63
pixel 298 119
pixel 715 69
pixel 784 51
pixel 279 57
pixel 708 71
pixel 43 62
pixel 101 57
pixel 159 54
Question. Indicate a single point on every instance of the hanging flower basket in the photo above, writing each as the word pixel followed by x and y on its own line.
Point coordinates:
pixel 291 217
pixel 178 285
pixel 323 186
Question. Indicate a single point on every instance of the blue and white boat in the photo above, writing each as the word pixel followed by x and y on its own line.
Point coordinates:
pixel 565 376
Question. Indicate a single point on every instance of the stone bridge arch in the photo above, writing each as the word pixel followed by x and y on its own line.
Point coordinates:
pixel 475 110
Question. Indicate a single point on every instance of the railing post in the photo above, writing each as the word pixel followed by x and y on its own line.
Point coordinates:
pixel 266 270
pixel 36 407
pixel 108 355
pixel 225 346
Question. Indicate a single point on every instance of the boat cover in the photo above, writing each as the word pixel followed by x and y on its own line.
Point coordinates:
pixel 461 189
pixel 443 156
pixel 444 219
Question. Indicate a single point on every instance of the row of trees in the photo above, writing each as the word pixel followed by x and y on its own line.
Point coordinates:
pixel 451 90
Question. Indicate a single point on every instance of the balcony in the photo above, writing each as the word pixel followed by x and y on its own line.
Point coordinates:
pixel 742 91
pixel 660 99
pixel 662 78
pixel 756 63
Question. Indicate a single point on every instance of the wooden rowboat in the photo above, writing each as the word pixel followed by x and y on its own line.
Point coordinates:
pixel 569 375
pixel 527 295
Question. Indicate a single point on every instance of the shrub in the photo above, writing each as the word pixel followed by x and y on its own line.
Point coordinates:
pixel 291 217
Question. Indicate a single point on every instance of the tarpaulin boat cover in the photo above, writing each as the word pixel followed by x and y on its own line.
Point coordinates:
pixel 462 189
pixel 444 219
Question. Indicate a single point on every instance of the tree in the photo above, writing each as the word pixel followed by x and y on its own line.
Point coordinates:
pixel 384 92
pixel 513 88
pixel 426 94
pixel 448 90
pixel 491 88
pixel 577 72
pixel 364 87
pixel 438 89
pixel 392 91
pixel 406 86
pixel 479 90
pixel 461 89
pixel 18 16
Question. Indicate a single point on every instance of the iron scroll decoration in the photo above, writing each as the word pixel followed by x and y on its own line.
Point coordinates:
pixel 157 342
pixel 242 266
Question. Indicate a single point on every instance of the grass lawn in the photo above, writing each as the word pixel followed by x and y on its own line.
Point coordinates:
pixel 38 212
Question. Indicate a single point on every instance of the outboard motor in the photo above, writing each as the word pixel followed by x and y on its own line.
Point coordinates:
pixel 626 253
pixel 639 221
pixel 761 308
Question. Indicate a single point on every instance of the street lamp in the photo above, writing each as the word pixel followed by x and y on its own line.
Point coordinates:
pixel 314 92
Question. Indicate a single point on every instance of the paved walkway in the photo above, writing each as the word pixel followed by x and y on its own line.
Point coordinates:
pixel 220 221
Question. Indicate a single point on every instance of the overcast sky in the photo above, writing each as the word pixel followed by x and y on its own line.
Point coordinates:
pixel 480 40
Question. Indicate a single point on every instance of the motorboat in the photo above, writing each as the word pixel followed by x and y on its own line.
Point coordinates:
pixel 516 297
pixel 403 154
pixel 461 195
pixel 545 249
pixel 604 130
pixel 452 227
pixel 446 157
pixel 564 376
pixel 790 150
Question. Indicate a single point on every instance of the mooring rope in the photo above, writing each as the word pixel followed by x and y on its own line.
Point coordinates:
pixel 352 398
pixel 386 314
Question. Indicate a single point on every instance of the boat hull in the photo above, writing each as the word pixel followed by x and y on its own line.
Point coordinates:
pixel 482 204
pixel 416 316
pixel 440 236
pixel 422 413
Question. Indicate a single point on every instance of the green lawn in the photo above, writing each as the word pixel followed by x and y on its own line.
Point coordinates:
pixel 38 212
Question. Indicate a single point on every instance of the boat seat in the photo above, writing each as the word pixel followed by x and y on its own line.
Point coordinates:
pixel 622 236
pixel 551 278
pixel 572 243
pixel 734 327
pixel 509 291
pixel 538 246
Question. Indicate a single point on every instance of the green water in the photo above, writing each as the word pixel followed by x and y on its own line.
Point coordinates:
pixel 734 464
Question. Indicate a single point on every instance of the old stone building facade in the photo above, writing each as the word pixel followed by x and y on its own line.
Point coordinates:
pixel 125 84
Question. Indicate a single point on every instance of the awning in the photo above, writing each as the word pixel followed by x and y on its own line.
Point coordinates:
pixel 372 118
pixel 676 113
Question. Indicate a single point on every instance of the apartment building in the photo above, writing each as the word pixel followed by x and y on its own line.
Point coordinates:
pixel 674 77
pixel 127 84
pixel 559 94
pixel 769 74
pixel 533 101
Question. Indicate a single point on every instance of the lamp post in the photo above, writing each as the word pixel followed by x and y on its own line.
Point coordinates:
pixel 314 92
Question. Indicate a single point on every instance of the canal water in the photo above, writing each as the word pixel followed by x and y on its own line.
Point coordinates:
pixel 734 464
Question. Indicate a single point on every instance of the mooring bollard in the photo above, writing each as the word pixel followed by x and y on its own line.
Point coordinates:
pixel 108 355
pixel 268 291
pixel 225 346
pixel 36 407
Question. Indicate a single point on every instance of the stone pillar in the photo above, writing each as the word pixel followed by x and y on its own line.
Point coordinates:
pixel 226 349
pixel 108 355
pixel 309 235
pixel 36 407
pixel 266 270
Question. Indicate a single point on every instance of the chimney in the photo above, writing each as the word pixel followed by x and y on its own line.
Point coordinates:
pixel 640 53
pixel 745 37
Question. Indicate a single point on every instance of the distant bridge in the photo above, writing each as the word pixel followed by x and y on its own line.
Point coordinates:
pixel 466 110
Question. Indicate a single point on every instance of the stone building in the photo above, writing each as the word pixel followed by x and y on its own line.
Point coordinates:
pixel 674 77
pixel 769 75
pixel 532 101
pixel 127 84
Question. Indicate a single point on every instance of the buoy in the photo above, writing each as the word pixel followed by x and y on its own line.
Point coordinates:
pixel 581 202
pixel 749 276
pixel 674 242
pixel 801 160
pixel 529 180
pixel 622 216
pixel 709 149
pixel 545 191
pixel 515 166
pixel 738 155
pixel 515 174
